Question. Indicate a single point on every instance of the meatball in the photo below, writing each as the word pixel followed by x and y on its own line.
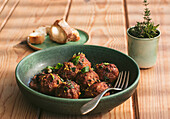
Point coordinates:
pixel 96 89
pixel 107 72
pixel 80 61
pixel 45 83
pixel 68 89
pixel 87 79
pixel 68 71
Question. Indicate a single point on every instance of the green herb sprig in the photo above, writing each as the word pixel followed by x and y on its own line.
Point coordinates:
pixel 85 69
pixel 145 29
pixel 76 60
pixel 58 66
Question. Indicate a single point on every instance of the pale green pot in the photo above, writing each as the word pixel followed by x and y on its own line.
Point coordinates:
pixel 143 50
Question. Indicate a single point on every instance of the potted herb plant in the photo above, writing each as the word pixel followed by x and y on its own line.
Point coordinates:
pixel 143 40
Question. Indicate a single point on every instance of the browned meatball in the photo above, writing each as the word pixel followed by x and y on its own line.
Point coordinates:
pixel 45 83
pixel 68 71
pixel 87 79
pixel 96 89
pixel 80 61
pixel 68 89
pixel 107 72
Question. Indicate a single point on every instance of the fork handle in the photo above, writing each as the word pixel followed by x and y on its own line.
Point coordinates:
pixel 88 107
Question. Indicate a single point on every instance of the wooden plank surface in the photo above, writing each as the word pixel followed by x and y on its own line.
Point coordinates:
pixel 103 20
pixel 26 16
pixel 3 4
pixel 154 85
pixel 105 23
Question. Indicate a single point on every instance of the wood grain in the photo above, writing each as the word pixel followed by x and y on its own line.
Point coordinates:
pixel 8 16
pixel 105 23
pixel 2 5
pixel 103 20
pixel 154 86
pixel 26 17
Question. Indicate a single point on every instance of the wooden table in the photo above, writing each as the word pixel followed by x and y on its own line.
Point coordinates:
pixel 106 22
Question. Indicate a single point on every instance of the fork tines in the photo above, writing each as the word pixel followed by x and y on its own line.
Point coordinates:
pixel 122 80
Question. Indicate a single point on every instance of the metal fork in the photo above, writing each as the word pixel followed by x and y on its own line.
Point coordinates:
pixel 121 83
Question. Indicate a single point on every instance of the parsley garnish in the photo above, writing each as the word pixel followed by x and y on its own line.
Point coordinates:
pixel 52 76
pixel 105 63
pixel 50 67
pixel 66 88
pixel 76 60
pixel 82 60
pixel 70 84
pixel 85 69
pixel 61 79
pixel 73 69
pixel 107 69
pixel 100 67
pixel 58 66
pixel 81 63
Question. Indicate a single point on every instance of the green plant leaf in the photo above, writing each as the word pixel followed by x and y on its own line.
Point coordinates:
pixel 145 29
pixel 58 66
pixel 76 60
pixel 85 69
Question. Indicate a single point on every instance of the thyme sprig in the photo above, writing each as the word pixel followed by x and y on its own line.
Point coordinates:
pixel 146 28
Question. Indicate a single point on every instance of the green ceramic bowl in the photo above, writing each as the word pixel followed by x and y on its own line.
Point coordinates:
pixel 38 60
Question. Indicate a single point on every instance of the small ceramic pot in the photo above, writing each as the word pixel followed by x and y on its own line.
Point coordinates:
pixel 143 50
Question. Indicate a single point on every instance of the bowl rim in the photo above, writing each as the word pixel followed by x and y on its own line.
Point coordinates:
pixel 48 97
